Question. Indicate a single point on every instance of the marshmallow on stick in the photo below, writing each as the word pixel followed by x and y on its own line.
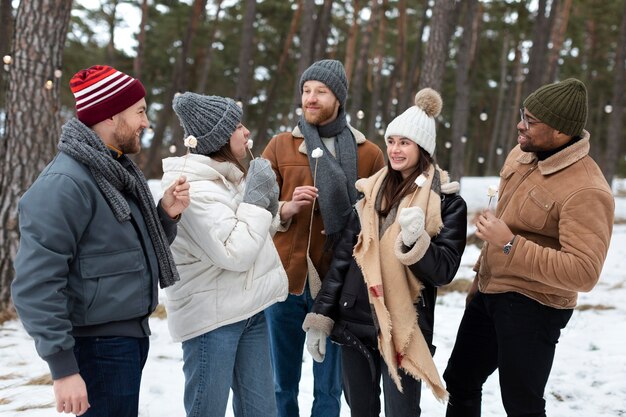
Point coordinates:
pixel 492 190
pixel 190 142
pixel 250 145
pixel 419 181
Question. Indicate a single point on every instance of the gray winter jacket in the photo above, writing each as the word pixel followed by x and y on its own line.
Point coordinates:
pixel 78 270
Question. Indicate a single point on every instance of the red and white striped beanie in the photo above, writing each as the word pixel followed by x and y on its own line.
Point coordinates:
pixel 102 92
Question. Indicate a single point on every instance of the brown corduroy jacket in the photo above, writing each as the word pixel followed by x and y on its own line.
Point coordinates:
pixel 288 155
pixel 561 211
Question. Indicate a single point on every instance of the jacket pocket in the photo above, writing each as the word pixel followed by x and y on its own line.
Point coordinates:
pixel 115 286
pixel 535 209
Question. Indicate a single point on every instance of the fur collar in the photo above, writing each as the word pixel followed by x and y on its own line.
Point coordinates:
pixel 297 133
pixel 560 160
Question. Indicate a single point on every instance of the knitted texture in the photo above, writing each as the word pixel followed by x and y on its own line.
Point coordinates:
pixel 330 72
pixel 562 106
pixel 418 122
pixel 211 119
pixel 261 187
pixel 102 92
pixel 116 179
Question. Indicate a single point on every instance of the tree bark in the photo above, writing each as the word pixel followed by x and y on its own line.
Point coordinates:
pixel 32 111
pixel 537 61
pixel 615 133
pixel 357 88
pixel 320 41
pixel 261 136
pixel 412 76
pixel 153 168
pixel 307 28
pixel 399 68
pixel 442 23
pixel 461 112
pixel 141 40
pixel 351 43
pixel 208 53
pixel 111 20
pixel 377 68
pixel 557 37
pixel 246 56
pixel 501 110
pixel 6 35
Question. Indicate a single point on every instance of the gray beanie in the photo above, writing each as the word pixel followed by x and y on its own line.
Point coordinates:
pixel 211 119
pixel 331 73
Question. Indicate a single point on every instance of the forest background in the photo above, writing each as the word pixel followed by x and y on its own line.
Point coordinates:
pixel 484 57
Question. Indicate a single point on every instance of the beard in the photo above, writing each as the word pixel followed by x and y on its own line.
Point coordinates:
pixel 325 114
pixel 126 139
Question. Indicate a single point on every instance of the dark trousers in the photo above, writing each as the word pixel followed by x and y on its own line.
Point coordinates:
pixel 362 389
pixel 111 368
pixel 514 334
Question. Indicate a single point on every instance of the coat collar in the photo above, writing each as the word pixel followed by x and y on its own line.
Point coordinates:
pixel 560 160
pixel 297 133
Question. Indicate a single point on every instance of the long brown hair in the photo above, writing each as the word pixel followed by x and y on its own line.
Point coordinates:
pixel 395 188
pixel 225 154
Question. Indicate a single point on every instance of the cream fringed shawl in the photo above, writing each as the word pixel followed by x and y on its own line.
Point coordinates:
pixel 392 288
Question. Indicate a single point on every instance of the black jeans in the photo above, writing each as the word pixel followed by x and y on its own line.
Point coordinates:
pixel 514 334
pixel 362 390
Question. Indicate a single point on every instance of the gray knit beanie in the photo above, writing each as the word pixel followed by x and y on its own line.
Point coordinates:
pixel 562 106
pixel 211 119
pixel 330 72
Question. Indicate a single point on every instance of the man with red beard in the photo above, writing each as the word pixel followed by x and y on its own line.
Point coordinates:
pixel 93 248
pixel 305 240
pixel 545 243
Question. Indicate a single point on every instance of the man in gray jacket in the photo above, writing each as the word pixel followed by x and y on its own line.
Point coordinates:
pixel 93 247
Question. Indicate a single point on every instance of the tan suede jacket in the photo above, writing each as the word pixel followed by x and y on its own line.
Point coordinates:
pixel 288 154
pixel 561 211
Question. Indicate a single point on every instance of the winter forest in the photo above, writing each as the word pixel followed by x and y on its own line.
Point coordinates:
pixel 484 56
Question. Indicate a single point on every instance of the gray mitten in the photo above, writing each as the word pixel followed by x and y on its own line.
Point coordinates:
pixel 260 183
pixel 273 207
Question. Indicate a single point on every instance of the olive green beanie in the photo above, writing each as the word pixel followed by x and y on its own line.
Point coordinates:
pixel 562 106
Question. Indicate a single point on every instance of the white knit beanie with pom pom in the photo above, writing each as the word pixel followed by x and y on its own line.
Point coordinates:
pixel 418 122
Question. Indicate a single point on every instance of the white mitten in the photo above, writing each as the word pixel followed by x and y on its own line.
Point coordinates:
pixel 411 221
pixel 316 344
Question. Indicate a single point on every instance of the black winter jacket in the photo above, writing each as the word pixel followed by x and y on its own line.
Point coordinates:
pixel 343 296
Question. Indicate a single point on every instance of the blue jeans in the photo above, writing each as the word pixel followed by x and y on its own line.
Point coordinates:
pixel 111 368
pixel 234 356
pixel 287 344
pixel 510 332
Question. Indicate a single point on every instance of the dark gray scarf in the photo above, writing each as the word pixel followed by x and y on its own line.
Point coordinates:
pixel 115 178
pixel 335 175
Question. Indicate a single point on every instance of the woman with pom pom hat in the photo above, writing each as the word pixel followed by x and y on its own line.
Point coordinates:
pixel 404 239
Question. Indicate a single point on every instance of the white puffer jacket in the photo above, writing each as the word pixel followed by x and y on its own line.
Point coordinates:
pixel 228 265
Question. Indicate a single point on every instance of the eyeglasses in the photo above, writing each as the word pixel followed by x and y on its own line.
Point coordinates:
pixel 527 123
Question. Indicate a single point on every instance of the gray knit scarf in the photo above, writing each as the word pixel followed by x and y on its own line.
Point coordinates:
pixel 335 175
pixel 116 178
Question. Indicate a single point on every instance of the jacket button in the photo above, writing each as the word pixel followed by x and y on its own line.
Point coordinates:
pixel 345 303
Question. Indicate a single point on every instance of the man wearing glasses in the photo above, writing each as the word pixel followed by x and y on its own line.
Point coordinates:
pixel 546 241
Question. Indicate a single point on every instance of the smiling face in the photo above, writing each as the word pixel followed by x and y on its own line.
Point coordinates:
pixel 538 137
pixel 239 142
pixel 403 154
pixel 128 127
pixel 319 104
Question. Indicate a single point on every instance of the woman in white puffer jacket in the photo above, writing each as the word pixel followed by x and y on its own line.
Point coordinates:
pixel 229 268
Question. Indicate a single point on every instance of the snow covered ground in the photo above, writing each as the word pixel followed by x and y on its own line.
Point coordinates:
pixel 588 377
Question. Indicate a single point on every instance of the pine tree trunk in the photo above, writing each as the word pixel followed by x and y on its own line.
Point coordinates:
pixel 351 43
pixel 412 77
pixel 321 34
pixel 399 68
pixel 32 110
pixel 6 34
pixel 441 25
pixel 461 112
pixel 307 28
pixel 141 40
pixel 207 55
pixel 262 136
pixel 246 56
pixel 376 84
pixel 357 88
pixel 615 135
pixel 557 37
pixel 153 168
